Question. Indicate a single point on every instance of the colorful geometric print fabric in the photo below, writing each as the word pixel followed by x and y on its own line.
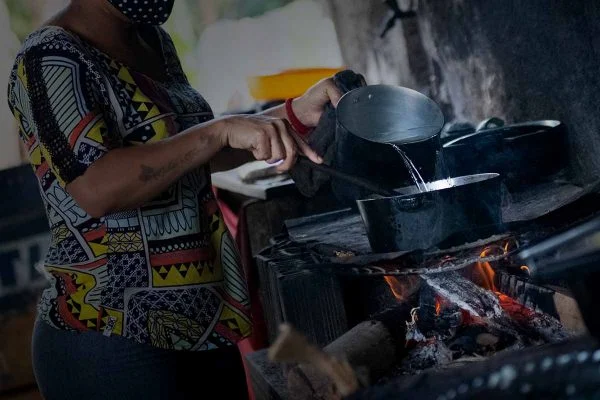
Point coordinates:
pixel 166 274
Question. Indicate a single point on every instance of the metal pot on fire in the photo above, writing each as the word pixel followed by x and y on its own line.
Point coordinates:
pixel 417 220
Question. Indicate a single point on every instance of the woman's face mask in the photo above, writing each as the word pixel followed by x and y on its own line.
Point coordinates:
pixel 149 12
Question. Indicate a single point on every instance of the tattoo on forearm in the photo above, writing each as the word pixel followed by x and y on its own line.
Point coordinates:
pixel 149 174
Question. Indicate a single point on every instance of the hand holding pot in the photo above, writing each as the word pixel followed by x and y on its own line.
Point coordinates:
pixel 310 106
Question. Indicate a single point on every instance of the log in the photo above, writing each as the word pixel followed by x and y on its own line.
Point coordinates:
pixel 458 290
pixel 291 346
pixel 551 300
pixel 497 311
pixel 370 347
pixel 539 324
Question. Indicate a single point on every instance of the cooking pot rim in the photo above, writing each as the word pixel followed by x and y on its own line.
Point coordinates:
pixel 474 178
pixel 412 92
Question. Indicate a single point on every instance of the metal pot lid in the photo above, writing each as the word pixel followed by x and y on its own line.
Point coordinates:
pixel 389 114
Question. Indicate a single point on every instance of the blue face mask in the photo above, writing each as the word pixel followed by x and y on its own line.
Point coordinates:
pixel 148 12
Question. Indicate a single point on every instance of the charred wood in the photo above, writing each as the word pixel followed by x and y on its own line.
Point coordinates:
pixel 499 313
pixel 456 289
pixel 553 301
pixel 425 355
pixel 543 325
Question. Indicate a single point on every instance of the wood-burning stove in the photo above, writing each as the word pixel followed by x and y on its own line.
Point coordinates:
pixel 469 302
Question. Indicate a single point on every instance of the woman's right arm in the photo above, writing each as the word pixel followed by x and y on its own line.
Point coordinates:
pixel 72 148
pixel 126 178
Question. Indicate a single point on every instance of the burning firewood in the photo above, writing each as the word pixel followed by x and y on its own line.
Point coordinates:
pixel 547 328
pixel 499 313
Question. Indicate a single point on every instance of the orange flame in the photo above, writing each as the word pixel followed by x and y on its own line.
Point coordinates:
pixel 440 304
pixel 395 287
pixel 510 244
pixel 487 276
pixel 485 270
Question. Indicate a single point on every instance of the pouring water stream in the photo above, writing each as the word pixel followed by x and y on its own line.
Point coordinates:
pixel 412 170
pixel 416 177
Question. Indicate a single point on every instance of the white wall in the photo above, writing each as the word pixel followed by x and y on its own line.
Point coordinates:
pixel 50 7
pixel 10 155
pixel 295 36
pixel 298 35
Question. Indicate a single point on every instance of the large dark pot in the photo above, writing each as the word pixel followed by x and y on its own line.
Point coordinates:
pixel 419 220
pixel 521 153
pixel 371 117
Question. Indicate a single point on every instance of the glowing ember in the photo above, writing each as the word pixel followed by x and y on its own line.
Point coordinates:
pixel 487 276
pixel 515 309
pixel 395 287
pixel 440 305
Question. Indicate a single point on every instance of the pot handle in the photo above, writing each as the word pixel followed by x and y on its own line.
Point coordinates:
pixel 489 123
pixel 352 179
pixel 411 203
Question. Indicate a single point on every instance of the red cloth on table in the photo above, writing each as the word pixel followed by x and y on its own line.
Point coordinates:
pixel 236 223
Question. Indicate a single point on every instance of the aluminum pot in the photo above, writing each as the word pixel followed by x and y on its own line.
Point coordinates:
pixel 389 114
pixel 420 220
pixel 368 120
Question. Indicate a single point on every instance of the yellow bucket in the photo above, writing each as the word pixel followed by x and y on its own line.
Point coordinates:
pixel 287 84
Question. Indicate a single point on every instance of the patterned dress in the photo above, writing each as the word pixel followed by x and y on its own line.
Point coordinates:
pixel 166 274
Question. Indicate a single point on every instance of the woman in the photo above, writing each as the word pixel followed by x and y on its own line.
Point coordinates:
pixel 147 297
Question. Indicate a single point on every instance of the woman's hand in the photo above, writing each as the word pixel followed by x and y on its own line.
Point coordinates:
pixel 268 138
pixel 309 107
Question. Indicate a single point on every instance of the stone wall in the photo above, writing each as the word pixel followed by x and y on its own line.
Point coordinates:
pixel 517 60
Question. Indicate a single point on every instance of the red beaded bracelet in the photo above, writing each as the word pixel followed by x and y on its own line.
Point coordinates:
pixel 298 126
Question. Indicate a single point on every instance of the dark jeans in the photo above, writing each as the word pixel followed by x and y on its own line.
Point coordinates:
pixel 71 365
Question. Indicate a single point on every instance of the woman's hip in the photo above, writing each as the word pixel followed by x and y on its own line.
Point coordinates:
pixel 74 365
